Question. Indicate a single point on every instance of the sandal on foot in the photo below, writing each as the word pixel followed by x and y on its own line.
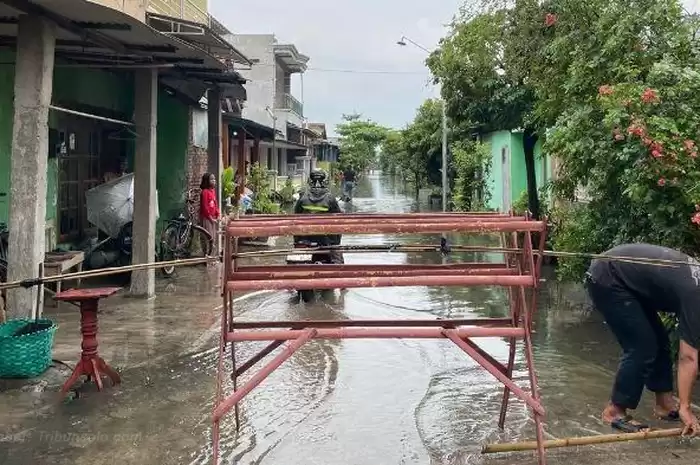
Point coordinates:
pixel 628 425
pixel 673 415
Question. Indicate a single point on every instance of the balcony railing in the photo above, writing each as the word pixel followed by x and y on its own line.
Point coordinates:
pixel 190 10
pixel 288 102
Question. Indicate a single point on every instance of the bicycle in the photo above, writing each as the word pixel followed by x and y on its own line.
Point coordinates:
pixel 177 241
pixel 4 238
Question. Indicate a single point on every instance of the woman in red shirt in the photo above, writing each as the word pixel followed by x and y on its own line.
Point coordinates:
pixel 208 207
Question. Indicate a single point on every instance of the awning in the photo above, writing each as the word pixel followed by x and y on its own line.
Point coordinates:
pixel 199 34
pixel 251 128
pixel 285 144
pixel 93 35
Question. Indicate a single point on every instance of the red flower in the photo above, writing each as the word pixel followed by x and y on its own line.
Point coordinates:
pixel 605 90
pixel 689 145
pixel 695 218
pixel 619 136
pixel 550 19
pixel 649 95
pixel 636 129
pixel 661 182
pixel 656 154
pixel 693 154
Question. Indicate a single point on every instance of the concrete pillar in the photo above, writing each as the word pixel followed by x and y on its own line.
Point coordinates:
pixel 143 282
pixel 256 152
pixel 214 164
pixel 36 42
pixel 240 163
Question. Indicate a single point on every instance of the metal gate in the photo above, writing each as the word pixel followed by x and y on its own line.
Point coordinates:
pixel 519 272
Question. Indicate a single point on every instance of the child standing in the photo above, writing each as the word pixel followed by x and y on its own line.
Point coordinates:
pixel 208 207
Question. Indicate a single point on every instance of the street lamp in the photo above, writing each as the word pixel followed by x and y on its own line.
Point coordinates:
pixel 403 42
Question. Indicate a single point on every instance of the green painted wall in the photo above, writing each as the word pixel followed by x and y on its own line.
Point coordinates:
pixel 113 92
pixel 497 141
pixel 171 171
pixel 518 176
pixel 7 83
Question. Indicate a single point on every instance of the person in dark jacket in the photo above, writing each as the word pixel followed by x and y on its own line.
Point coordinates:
pixel 629 294
pixel 317 199
pixel 348 183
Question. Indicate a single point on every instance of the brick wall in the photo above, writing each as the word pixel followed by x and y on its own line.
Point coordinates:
pixel 196 160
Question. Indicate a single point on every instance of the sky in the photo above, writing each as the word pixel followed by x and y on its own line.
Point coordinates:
pixel 382 80
pixel 351 35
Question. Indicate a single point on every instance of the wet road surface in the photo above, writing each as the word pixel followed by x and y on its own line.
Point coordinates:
pixel 353 402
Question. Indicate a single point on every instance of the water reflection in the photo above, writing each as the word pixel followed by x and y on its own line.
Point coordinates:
pixel 355 402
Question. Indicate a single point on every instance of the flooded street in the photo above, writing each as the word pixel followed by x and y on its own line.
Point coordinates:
pixel 354 402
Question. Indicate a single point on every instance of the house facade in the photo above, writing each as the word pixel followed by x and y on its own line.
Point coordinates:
pixel 270 102
pixel 507 178
pixel 95 90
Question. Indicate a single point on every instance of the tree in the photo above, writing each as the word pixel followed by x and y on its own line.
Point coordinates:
pixel 626 131
pixel 393 153
pixel 423 139
pixel 484 85
pixel 472 161
pixel 359 140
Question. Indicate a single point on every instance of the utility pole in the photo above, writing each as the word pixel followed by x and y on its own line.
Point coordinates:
pixel 445 185
pixel 444 156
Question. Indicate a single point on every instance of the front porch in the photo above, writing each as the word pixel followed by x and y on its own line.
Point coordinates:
pixel 96 94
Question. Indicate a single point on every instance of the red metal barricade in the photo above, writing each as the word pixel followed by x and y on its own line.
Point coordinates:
pixel 519 271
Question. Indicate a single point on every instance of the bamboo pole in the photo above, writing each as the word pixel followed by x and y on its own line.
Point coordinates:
pixel 581 441
pixel 106 272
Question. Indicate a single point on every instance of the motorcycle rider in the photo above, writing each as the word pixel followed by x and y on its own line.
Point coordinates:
pixel 317 199
pixel 348 183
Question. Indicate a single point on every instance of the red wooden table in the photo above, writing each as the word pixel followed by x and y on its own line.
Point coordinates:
pixel 90 363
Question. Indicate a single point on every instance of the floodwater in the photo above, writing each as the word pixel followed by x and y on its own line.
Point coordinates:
pixel 358 402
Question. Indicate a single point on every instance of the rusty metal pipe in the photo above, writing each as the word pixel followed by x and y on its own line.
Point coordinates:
pixel 256 358
pixel 481 227
pixel 374 333
pixel 336 267
pixel 447 323
pixel 302 338
pixel 319 272
pixel 308 219
pixel 386 215
pixel 458 339
pixel 391 281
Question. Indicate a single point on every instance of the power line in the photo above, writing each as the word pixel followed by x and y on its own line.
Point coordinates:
pixel 350 71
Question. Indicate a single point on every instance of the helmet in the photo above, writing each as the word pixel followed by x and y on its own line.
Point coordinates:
pixel 318 184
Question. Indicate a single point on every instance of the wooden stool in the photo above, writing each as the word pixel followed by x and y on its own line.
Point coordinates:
pixel 90 363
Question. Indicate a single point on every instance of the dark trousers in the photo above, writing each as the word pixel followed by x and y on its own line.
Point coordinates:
pixel 646 358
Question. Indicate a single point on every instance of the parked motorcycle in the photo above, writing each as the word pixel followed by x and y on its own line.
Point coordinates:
pixel 307 295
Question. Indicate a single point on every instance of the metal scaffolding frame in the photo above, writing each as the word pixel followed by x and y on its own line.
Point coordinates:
pixel 519 271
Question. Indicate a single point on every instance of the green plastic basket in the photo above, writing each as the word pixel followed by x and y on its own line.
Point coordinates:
pixel 27 355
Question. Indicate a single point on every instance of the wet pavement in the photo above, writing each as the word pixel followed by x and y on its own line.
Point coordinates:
pixel 352 402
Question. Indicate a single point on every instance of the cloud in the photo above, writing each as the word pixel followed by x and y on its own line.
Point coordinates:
pixel 355 35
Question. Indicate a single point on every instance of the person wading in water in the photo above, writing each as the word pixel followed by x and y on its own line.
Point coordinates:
pixel 629 295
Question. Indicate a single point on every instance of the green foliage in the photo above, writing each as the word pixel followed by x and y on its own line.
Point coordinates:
pixel 359 140
pixel 228 184
pixel 485 80
pixel 622 91
pixel 415 152
pixel 472 163
pixel 472 68
pixel 260 185
pixel 287 192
